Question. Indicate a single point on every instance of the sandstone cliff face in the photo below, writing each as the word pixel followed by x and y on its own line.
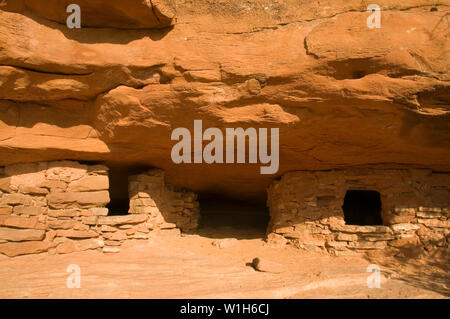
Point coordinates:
pixel 342 94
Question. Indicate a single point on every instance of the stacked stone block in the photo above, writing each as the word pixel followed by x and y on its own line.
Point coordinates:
pixel 306 210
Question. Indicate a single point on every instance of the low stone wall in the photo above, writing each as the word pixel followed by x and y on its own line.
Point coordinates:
pixel 306 210
pixel 60 207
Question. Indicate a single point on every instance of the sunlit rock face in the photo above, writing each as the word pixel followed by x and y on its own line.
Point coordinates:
pixel 342 94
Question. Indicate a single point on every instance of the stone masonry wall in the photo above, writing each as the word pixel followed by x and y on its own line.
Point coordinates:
pixel 168 208
pixel 60 207
pixel 306 210
pixel 49 206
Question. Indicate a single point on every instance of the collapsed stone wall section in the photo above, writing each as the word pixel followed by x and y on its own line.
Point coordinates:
pixel 306 210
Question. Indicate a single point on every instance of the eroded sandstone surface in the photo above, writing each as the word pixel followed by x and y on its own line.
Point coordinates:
pixel 341 94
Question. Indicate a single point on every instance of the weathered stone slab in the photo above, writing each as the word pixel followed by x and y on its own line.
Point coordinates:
pixel 34 190
pixel 124 219
pixel 143 195
pixel 5 183
pixel 16 199
pixel 66 247
pixel 86 244
pixel 62 224
pixel 144 202
pixel 26 179
pixel 21 222
pixel 405 242
pixel 89 183
pixel 25 248
pixel 139 235
pixel 6 210
pixel 112 243
pixel 284 230
pixel 63 213
pixel 29 210
pixel 119 236
pixel 167 226
pixel 346 237
pixel 108 249
pixel 86 212
pixel 430 209
pixel 99 211
pixel 141 228
pixel 126 226
pixel 404 227
pixel 87 199
pixel 338 245
pixel 378 237
pixel 359 229
pixel 435 223
pixel 405 210
pixel 98 169
pixel 106 228
pixel 78 245
pixel 149 210
pixel 80 226
pixel 66 171
pixel 54 186
pixel 429 214
pixel 76 234
pixel 90 220
pixel 367 245
pixel 13 234
pixel 400 219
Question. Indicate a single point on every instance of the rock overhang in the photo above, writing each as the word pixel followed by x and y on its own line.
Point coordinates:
pixel 91 95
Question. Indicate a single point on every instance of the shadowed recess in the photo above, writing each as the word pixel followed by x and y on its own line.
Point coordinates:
pixel 362 207
pixel 223 217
